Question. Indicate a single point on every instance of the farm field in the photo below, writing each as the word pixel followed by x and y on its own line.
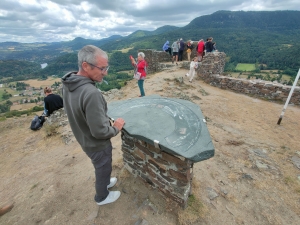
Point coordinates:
pixel 23 106
pixel 42 83
pixel 245 67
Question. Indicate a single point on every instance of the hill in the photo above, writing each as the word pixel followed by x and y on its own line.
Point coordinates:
pixel 268 39
pixel 44 51
pixel 264 20
pixel 252 179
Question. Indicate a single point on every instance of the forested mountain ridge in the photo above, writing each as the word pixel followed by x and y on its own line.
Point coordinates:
pixel 267 20
pixel 267 38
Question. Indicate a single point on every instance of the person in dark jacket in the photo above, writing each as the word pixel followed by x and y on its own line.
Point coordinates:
pixel 52 102
pixel 181 48
pixel 209 45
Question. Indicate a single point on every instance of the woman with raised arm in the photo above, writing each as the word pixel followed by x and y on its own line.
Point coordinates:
pixel 140 71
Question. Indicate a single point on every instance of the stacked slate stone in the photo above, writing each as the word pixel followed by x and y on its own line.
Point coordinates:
pixel 212 63
pixel 211 72
pixel 170 174
pixel 258 88
pixel 154 58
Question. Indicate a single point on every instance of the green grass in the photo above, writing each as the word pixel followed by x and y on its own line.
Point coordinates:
pixel 245 67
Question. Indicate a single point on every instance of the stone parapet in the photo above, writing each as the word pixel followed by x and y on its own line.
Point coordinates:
pixel 212 68
pixel 257 88
pixel 212 63
pixel 154 59
pixel 170 174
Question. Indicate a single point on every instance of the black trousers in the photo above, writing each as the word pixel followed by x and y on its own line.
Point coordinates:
pixel 180 53
pixel 102 162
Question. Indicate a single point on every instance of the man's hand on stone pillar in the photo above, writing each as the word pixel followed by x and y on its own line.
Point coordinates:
pixel 119 123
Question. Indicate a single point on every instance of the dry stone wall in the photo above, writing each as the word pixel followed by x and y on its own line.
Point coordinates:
pixel 170 174
pixel 211 72
pixel 212 63
pixel 154 59
pixel 257 88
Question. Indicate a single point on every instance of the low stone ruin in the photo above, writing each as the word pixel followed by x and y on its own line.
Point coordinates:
pixel 211 72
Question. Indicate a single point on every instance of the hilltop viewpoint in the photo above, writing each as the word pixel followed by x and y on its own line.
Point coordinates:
pixel 253 179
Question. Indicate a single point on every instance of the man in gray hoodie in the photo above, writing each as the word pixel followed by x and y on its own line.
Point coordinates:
pixel 87 113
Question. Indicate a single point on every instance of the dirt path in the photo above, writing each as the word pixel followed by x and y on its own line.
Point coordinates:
pixel 251 179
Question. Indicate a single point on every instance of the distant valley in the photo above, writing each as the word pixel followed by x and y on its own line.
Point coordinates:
pixel 266 38
pixel 268 41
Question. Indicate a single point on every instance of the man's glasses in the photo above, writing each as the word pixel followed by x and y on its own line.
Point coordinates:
pixel 103 69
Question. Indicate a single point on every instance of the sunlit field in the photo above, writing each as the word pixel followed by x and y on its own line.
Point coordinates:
pixel 245 67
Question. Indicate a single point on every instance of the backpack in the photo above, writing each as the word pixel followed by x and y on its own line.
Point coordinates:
pixel 37 122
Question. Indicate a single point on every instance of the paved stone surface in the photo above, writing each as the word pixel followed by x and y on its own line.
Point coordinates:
pixel 178 125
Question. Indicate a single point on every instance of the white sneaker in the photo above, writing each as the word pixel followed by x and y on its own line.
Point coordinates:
pixel 113 181
pixel 111 197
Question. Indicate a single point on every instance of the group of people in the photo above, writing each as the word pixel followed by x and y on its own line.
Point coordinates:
pixel 205 47
pixel 177 48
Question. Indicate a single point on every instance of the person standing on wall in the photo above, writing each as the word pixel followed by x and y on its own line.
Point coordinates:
pixel 181 48
pixel 189 47
pixel 200 50
pixel 209 45
pixel 86 109
pixel 175 47
pixel 166 48
pixel 52 102
pixel 140 67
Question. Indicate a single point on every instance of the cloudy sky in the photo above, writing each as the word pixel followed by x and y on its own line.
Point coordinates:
pixel 62 20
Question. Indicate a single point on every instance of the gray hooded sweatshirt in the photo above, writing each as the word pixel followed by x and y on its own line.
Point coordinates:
pixel 87 113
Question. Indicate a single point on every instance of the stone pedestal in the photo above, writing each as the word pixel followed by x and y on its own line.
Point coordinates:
pixel 170 174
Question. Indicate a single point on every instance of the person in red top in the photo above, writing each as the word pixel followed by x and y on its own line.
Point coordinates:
pixel 200 50
pixel 140 67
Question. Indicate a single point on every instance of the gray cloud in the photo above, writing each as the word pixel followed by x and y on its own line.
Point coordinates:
pixel 62 20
